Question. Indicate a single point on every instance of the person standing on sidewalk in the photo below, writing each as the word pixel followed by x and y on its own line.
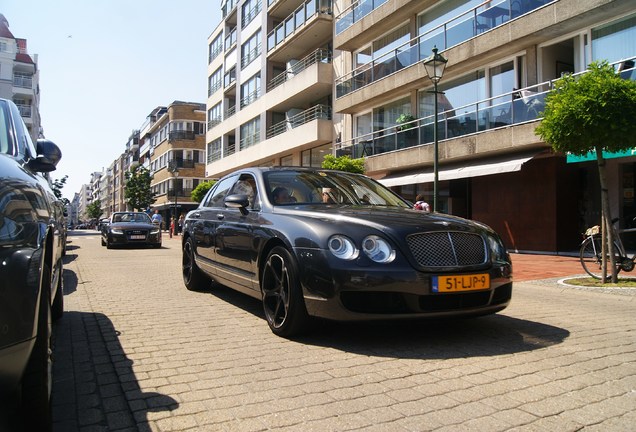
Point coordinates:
pixel 180 224
pixel 156 218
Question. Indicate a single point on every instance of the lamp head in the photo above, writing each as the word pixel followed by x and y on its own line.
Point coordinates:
pixel 435 65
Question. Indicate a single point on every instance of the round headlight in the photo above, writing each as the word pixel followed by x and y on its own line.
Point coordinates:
pixel 378 249
pixel 342 247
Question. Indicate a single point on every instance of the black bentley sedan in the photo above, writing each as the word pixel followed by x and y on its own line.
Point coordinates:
pixel 31 249
pixel 319 243
pixel 130 228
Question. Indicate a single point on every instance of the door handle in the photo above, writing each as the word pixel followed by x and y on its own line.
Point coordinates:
pixel 196 215
pixel 220 216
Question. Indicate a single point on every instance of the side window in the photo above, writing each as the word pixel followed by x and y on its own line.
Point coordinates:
pixel 219 192
pixel 247 186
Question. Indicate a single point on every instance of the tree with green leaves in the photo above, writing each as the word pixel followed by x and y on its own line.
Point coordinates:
pixel 344 163
pixel 138 192
pixel 56 186
pixel 593 112
pixel 94 209
pixel 198 193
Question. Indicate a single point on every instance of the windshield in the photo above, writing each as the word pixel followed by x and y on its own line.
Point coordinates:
pixel 290 187
pixel 131 217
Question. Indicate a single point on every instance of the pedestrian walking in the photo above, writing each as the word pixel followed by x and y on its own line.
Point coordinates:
pixel 180 224
pixel 420 204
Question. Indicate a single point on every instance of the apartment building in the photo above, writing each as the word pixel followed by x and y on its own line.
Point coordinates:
pixel 20 77
pixel 270 79
pixel 172 147
pixel 502 59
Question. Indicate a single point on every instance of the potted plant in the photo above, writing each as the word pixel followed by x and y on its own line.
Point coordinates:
pixel 405 122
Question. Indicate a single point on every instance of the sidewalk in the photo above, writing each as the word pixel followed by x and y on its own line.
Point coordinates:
pixel 527 267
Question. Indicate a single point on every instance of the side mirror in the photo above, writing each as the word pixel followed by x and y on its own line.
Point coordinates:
pixel 48 155
pixel 238 201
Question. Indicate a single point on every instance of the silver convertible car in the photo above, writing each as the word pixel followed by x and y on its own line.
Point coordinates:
pixel 319 243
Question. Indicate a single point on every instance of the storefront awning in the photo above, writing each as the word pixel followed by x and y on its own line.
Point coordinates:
pixel 487 167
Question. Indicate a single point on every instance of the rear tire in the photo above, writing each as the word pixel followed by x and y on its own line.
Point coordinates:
pixel 591 257
pixel 193 278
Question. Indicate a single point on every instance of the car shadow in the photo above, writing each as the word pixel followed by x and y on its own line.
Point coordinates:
pixel 491 335
pixel 94 384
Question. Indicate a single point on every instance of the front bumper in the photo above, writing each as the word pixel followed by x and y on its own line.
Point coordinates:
pixel 362 290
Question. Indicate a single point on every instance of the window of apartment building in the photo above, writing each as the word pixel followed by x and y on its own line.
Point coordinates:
pixel 442 12
pixel 251 90
pixel 383 45
pixel 251 49
pixel 4 47
pixel 250 133
pixel 215 81
pixel 386 115
pixel 287 160
pixel 215 115
pixel 216 47
pixel 214 150
pixel 615 41
pixel 249 11
pixel 461 94
pixel 229 77
pixel 315 156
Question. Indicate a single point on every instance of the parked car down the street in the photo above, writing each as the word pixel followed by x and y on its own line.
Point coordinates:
pixel 335 245
pixel 31 249
pixel 130 228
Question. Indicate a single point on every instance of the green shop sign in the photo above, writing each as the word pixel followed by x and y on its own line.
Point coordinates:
pixel 591 156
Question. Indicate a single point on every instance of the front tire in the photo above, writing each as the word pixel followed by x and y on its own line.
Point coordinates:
pixel 282 295
pixel 591 257
pixel 193 278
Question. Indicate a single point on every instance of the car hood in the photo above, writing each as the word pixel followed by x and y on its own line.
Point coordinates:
pixel 386 219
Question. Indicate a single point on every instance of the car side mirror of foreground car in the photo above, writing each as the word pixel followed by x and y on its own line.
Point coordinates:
pixel 48 155
pixel 238 201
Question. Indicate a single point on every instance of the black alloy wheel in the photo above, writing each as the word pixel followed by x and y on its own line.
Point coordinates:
pixel 282 295
pixel 193 278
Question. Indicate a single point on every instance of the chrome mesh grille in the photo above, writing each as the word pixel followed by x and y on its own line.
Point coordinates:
pixel 447 249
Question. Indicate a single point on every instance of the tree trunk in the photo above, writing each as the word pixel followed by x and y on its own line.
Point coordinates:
pixel 606 222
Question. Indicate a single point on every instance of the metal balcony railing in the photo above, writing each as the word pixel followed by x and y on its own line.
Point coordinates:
pixel 250 56
pixel 314 113
pixel 25 110
pixel 250 98
pixel 181 135
pixel 453 32
pixel 250 14
pixel 229 7
pixel 181 163
pixel 230 39
pixel 512 108
pixel 298 19
pixel 23 82
pixel 318 56
pixel 180 192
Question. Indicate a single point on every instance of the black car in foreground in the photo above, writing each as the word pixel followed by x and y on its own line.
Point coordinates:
pixel 31 249
pixel 319 243
pixel 130 228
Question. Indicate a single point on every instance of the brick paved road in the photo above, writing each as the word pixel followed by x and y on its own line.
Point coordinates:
pixel 137 351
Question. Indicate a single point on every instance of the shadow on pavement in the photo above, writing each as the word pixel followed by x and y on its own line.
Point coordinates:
pixel 491 335
pixel 94 385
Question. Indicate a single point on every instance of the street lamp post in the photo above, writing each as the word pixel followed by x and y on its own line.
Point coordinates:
pixel 435 65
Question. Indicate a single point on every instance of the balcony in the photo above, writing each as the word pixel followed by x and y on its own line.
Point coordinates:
pixel 25 111
pixel 318 56
pixel 23 82
pixel 505 110
pixel 453 32
pixel 181 135
pixel 322 112
pixel 180 193
pixel 309 26
pixel 355 12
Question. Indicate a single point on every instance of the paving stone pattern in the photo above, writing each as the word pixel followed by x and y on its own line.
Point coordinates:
pixel 136 351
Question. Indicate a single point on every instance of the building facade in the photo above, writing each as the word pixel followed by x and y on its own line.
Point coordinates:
pixel 270 79
pixel 20 77
pixel 503 57
pixel 174 151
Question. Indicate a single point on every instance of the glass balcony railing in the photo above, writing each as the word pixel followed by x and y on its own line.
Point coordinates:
pixel 314 113
pixel 355 12
pixel 181 135
pixel 512 108
pixel 445 36
pixel 318 56
pixel 296 20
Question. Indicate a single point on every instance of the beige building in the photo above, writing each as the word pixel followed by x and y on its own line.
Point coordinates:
pixel 270 82
pixel 291 80
pixel 502 59
pixel 20 78
pixel 173 150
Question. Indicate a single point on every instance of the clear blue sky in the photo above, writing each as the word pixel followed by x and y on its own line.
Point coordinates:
pixel 105 65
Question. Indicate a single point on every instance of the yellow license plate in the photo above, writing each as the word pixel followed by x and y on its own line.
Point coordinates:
pixel 474 282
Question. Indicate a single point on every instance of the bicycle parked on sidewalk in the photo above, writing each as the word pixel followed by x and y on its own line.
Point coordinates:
pixel 591 252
